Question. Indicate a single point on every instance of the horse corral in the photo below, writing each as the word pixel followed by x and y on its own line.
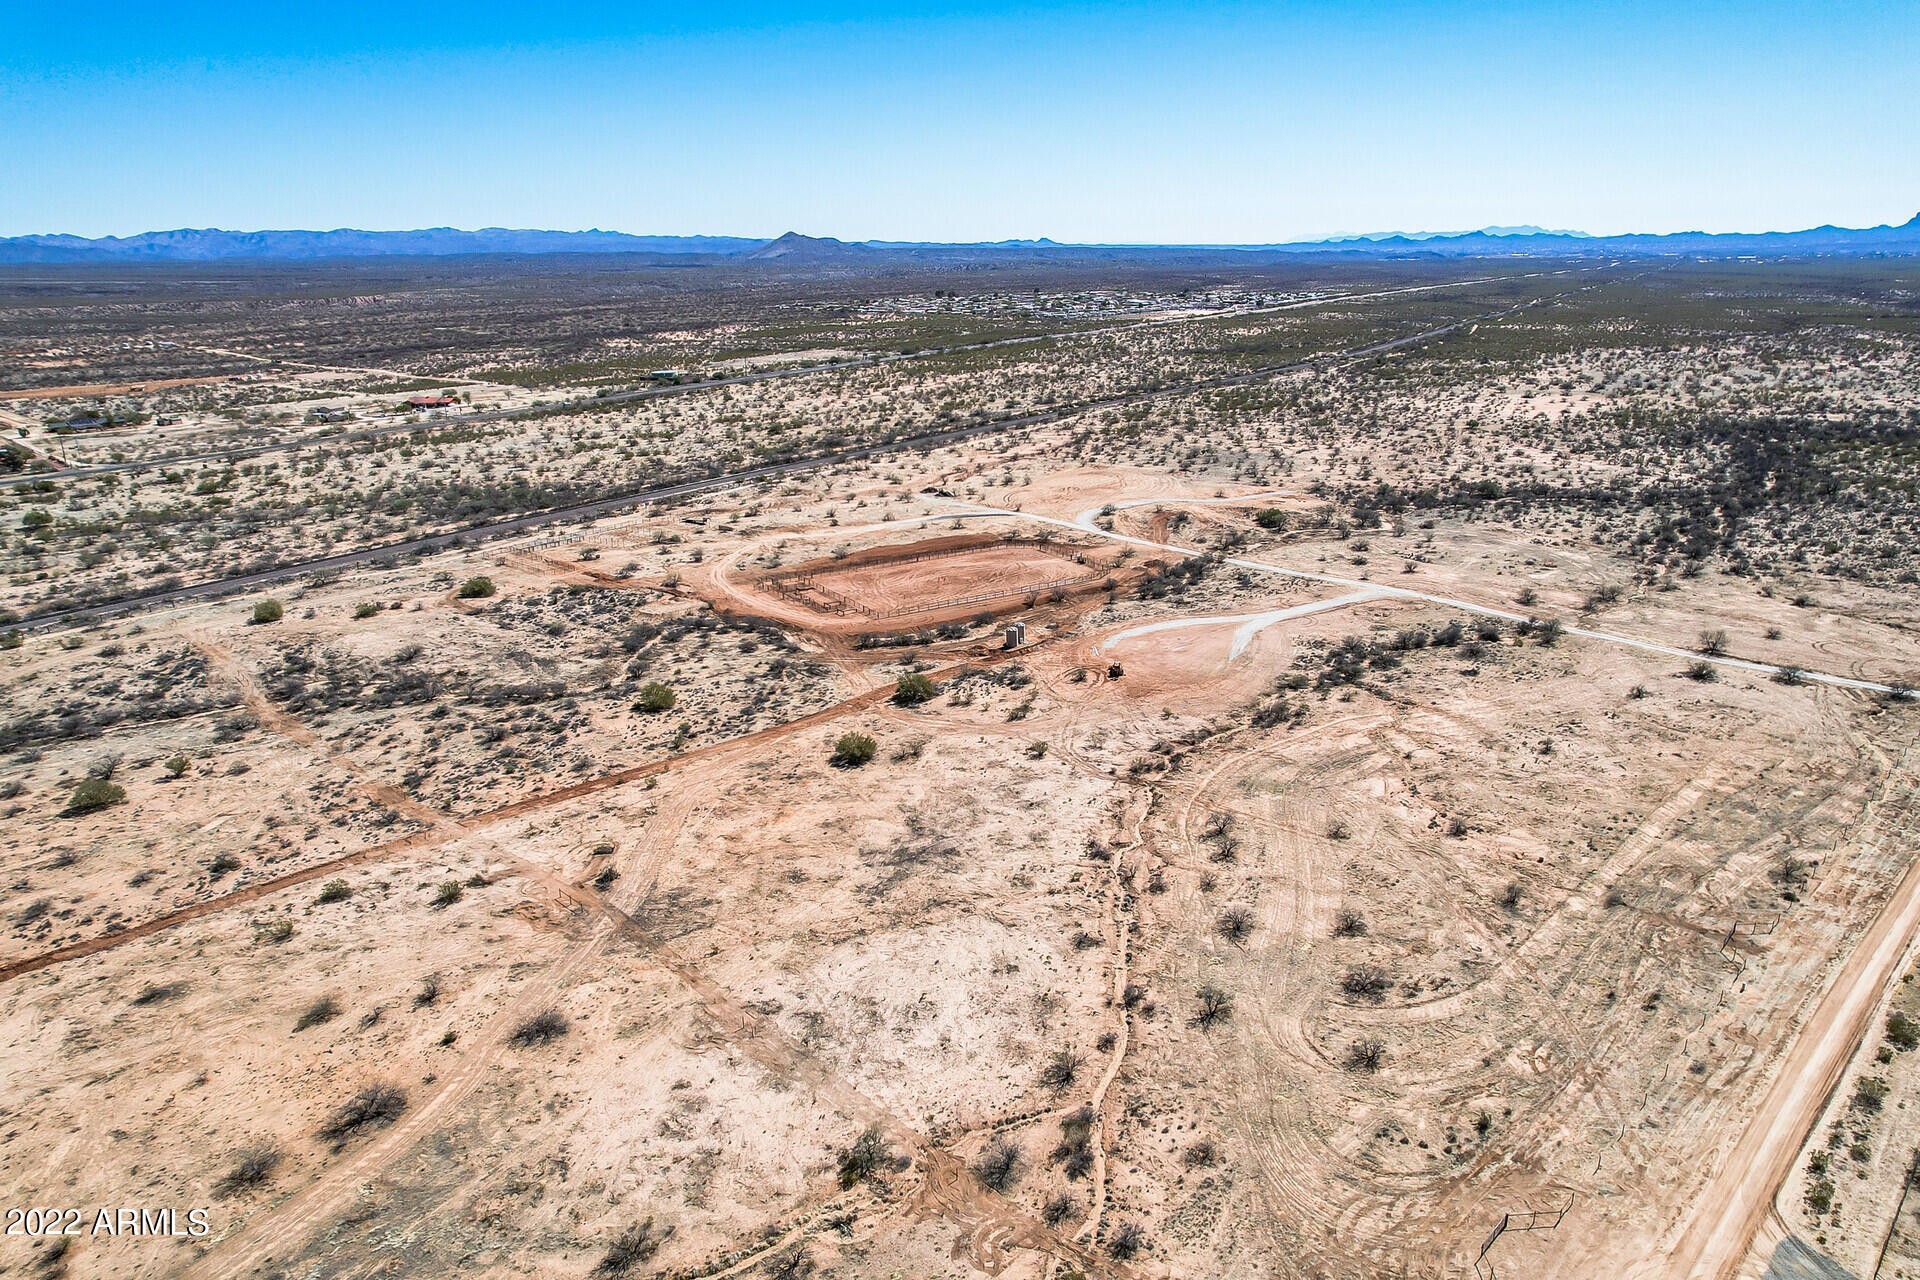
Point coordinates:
pixel 936 579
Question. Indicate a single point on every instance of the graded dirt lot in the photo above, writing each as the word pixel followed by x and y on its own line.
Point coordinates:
pixel 1355 855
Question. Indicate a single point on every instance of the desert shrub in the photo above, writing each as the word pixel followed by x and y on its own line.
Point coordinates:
pixel 366 609
pixel 12 638
pixel 998 1167
pixel 1549 632
pixel 1349 923
pixel 1074 1151
pixel 1870 1093
pixel 631 1248
pixel 373 1106
pixel 1703 671
pixel 866 1157
pixel 1127 1240
pixel 1058 1209
pixel 852 750
pixel 335 891
pixel 1235 924
pixel 542 1027
pixel 429 992
pixel 325 1009
pixel 1272 518
pixel 1902 1031
pixel 268 611
pixel 1366 1055
pixel 912 690
pixel 476 588
pixel 156 993
pixel 1511 895
pixel 1201 1155
pixel 93 794
pixel 655 697
pixel 1213 1007
pixel 1713 642
pixel 1061 1069
pixel 251 1167
pixel 1365 982
pixel 448 893
pixel 272 929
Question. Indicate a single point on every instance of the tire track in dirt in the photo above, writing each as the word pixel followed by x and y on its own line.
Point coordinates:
pixel 447 828
pixel 279 1231
pixel 991 1226
pixel 1739 1197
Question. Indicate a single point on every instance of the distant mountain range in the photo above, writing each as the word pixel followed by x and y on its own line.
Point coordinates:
pixel 798 250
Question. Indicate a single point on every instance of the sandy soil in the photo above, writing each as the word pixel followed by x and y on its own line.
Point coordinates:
pixel 1628 928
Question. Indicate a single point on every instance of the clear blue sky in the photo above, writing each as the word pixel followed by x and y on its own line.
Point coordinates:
pixel 960 121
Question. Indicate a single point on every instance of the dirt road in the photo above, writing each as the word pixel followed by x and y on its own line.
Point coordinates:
pixel 1731 1209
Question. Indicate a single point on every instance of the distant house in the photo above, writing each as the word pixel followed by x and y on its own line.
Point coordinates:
pixel 331 413
pixel 430 402
pixel 667 375
pixel 87 422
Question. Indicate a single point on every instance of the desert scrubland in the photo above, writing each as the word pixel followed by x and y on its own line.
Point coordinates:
pixel 1432 785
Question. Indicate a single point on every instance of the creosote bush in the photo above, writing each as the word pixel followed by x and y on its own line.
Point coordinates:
pixel 852 750
pixel 912 690
pixel 655 697
pixel 268 611
pixel 93 794
pixel 476 588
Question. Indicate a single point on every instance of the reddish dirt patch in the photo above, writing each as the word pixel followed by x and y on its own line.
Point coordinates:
pixel 920 584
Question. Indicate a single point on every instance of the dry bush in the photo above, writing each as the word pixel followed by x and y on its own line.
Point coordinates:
pixel 866 1157
pixel 998 1167
pixel 1365 982
pixel 1366 1055
pixel 251 1167
pixel 325 1009
pixel 372 1107
pixel 1214 1007
pixel 1061 1069
pixel 1235 924
pixel 631 1248
pixel 542 1027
